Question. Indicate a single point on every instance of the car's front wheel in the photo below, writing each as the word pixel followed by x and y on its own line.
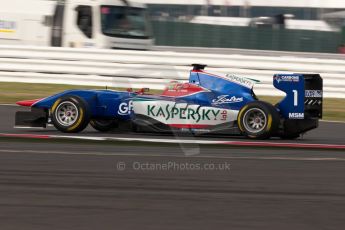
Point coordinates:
pixel 70 114
pixel 258 120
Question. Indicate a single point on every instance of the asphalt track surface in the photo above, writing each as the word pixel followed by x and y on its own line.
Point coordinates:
pixel 65 185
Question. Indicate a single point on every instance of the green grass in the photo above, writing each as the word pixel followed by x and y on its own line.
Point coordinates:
pixel 334 109
pixel 13 92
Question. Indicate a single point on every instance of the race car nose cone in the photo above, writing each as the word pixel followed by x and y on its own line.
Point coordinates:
pixel 27 103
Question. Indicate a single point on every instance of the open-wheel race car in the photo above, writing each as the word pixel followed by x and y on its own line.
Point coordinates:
pixel 207 103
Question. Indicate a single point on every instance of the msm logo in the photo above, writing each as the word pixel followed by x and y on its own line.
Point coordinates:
pixel 296 115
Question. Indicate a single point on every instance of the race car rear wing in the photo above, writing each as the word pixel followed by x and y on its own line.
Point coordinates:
pixel 304 95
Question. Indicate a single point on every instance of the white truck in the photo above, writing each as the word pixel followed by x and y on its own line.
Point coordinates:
pixel 114 24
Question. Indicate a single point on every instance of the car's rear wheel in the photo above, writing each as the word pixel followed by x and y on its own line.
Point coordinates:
pixel 103 125
pixel 258 120
pixel 70 114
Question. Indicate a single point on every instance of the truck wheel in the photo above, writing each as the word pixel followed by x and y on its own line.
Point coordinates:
pixel 103 125
pixel 70 114
pixel 258 120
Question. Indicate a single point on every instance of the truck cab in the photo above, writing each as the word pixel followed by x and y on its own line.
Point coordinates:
pixel 112 24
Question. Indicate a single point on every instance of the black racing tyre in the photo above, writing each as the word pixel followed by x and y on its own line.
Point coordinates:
pixel 70 114
pixel 258 120
pixel 103 125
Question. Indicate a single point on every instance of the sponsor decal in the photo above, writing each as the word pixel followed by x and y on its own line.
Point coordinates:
pixel 240 80
pixel 199 130
pixel 125 108
pixel 105 10
pixel 313 93
pixel 7 26
pixel 296 115
pixel 169 112
pixel 88 44
pixel 313 102
pixel 226 99
pixel 286 78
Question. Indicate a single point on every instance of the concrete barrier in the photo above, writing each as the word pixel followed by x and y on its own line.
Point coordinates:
pixel 154 69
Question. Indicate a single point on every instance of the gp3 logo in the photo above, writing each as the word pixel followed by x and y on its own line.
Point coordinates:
pixel 125 108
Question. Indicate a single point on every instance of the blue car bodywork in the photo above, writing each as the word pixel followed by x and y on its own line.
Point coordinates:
pixel 208 103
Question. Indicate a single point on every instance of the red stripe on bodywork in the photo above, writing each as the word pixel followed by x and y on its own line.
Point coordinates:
pixel 27 103
pixel 189 126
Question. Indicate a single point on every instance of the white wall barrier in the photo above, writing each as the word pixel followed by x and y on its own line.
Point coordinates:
pixel 153 69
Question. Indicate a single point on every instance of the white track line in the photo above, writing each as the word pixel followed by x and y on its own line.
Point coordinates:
pixel 172 141
pixel 24 127
pixel 9 105
pixel 230 143
pixel 326 121
pixel 177 141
